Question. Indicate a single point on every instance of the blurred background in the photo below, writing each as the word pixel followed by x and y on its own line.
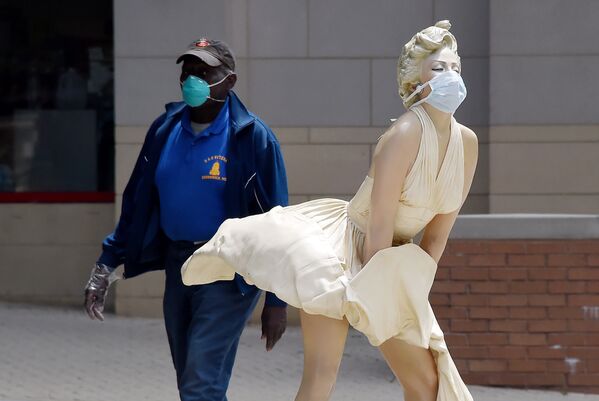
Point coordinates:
pixel 82 81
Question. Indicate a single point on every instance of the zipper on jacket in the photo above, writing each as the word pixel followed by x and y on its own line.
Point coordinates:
pixel 257 200
pixel 248 181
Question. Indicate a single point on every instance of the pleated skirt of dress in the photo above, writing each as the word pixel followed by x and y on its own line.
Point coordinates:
pixel 309 256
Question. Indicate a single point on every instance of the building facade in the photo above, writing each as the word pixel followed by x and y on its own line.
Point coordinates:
pixel 323 75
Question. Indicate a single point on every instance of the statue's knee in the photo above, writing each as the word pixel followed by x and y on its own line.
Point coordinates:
pixel 320 383
pixel 423 385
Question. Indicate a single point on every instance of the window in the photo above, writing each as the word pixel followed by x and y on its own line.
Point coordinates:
pixel 57 102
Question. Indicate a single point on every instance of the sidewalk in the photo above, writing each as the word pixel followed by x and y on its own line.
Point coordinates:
pixel 57 354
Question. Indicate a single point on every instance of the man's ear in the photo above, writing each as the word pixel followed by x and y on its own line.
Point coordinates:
pixel 231 80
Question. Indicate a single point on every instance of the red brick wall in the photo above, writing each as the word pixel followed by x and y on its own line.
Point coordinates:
pixel 522 313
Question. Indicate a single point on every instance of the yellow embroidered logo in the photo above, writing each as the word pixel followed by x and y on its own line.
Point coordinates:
pixel 216 170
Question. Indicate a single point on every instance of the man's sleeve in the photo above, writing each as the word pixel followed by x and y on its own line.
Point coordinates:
pixel 114 245
pixel 271 175
pixel 272 183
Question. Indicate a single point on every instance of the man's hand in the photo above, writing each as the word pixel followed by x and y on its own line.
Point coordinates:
pixel 96 289
pixel 274 322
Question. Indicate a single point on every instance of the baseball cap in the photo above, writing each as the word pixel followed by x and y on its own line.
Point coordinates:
pixel 212 52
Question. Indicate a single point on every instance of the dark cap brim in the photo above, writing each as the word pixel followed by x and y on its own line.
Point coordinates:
pixel 203 55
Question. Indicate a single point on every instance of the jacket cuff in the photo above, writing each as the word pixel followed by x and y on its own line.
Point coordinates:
pixel 272 300
pixel 109 259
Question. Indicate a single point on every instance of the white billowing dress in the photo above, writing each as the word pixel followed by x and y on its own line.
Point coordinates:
pixel 309 256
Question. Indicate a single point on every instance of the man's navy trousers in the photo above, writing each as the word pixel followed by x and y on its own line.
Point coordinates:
pixel 203 324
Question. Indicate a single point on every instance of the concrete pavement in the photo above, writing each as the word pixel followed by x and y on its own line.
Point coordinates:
pixel 49 354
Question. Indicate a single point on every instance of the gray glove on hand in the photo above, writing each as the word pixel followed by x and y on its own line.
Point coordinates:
pixel 96 289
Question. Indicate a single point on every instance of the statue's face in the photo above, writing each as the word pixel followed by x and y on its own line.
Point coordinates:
pixel 440 61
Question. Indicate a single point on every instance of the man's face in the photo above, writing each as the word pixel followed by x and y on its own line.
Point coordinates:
pixel 194 66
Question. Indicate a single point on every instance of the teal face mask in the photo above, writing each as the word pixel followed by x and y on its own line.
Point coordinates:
pixel 196 91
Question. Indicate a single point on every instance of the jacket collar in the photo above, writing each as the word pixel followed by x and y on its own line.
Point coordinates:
pixel 239 115
pixel 174 108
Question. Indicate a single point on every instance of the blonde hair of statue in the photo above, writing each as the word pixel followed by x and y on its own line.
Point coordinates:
pixel 422 45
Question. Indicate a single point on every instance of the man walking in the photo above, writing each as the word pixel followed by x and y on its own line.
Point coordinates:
pixel 204 160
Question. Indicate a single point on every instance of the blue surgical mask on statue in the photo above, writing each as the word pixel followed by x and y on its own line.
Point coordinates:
pixel 448 91
pixel 196 91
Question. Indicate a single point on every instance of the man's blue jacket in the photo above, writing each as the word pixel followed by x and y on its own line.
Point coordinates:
pixel 256 182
